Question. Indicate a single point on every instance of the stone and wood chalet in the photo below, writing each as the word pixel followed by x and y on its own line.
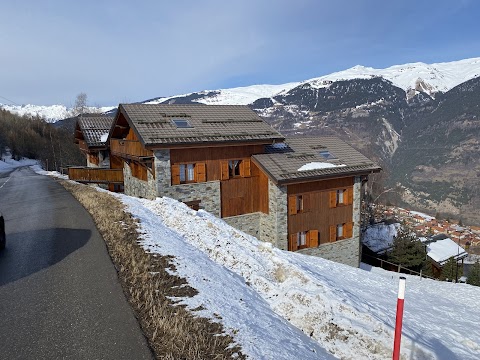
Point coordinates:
pixel 300 194
pixel 91 136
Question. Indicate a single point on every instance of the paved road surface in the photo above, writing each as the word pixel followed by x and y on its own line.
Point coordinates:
pixel 59 294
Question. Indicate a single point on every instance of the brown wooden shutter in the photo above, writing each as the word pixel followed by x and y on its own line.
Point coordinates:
pixel 332 199
pixel 292 244
pixel 292 205
pixel 175 174
pixel 348 230
pixel 245 168
pixel 224 170
pixel 349 196
pixel 312 238
pixel 200 174
pixel 333 233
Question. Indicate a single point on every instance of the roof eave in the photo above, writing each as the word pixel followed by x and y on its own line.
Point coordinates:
pixel 327 176
pixel 211 143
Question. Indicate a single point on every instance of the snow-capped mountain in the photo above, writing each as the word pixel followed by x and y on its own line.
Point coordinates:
pixel 412 78
pixel 51 113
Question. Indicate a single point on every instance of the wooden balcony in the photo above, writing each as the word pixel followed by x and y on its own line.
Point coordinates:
pixel 129 149
pixel 95 175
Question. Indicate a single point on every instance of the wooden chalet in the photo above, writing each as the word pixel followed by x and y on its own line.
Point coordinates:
pixel 91 135
pixel 300 194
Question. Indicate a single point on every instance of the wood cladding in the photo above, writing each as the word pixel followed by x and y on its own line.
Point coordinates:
pixel 244 195
pixel 316 212
pixel 214 158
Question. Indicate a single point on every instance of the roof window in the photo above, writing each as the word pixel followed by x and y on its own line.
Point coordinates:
pixel 327 155
pixel 182 123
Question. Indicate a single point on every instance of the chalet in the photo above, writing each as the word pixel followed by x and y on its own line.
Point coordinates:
pixel 300 194
pixel 91 135
pixel 440 249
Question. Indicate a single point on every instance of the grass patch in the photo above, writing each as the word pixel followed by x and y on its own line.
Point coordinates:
pixel 173 332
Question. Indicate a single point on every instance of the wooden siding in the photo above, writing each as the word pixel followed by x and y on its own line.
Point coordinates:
pixel 82 144
pixel 129 148
pixel 95 175
pixel 317 214
pixel 245 195
pixel 213 156
pixel 116 162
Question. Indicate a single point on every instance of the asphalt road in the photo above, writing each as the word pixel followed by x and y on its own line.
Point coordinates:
pixel 59 293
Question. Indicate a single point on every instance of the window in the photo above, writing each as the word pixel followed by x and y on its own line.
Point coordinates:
pixel 341 231
pixel 234 168
pixel 182 123
pixel 299 204
pixel 327 155
pixel 188 173
pixel 340 197
pixel 303 239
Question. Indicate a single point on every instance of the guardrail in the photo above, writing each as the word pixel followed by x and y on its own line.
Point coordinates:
pixel 387 265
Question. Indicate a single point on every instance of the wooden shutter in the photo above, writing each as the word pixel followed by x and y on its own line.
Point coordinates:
pixel 200 173
pixel 307 202
pixel 312 238
pixel 292 244
pixel 175 174
pixel 332 199
pixel 348 230
pixel 349 196
pixel 333 233
pixel 224 170
pixel 245 168
pixel 292 205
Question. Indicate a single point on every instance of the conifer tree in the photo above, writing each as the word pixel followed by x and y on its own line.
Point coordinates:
pixel 407 250
pixel 474 276
pixel 451 270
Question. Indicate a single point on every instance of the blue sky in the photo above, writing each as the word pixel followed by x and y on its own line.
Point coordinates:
pixel 123 51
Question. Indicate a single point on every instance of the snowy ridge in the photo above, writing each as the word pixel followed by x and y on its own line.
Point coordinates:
pixel 256 289
pixel 51 113
pixel 429 78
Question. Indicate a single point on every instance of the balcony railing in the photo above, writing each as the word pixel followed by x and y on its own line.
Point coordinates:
pixel 129 148
pixel 95 175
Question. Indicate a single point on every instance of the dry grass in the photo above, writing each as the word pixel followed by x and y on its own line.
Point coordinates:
pixel 172 331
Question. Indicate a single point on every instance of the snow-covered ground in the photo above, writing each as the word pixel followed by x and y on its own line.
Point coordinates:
pixel 379 237
pixel 263 295
pixel 7 163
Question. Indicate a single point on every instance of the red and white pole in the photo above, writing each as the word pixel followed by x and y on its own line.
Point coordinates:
pixel 398 322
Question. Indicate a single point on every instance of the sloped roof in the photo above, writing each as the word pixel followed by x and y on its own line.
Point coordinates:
pixel 442 250
pixel 300 159
pixel 154 125
pixel 94 127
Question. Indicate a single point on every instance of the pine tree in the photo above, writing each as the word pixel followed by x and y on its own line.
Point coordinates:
pixel 451 270
pixel 407 250
pixel 474 276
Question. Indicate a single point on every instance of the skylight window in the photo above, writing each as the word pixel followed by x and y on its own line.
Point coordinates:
pixel 327 155
pixel 182 123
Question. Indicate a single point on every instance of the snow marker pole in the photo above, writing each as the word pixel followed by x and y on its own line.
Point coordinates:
pixel 398 322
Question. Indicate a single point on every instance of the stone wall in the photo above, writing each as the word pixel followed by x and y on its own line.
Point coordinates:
pixel 342 251
pixel 136 187
pixel 273 226
pixel 248 223
pixel 208 193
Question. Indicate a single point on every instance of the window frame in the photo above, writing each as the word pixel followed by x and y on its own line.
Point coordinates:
pixel 234 171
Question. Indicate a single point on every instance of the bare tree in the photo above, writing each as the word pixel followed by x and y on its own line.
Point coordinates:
pixel 80 106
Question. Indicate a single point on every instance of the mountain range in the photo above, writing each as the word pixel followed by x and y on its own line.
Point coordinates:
pixel 419 121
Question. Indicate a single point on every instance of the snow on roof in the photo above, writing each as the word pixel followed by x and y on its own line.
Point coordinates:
pixel 379 237
pixel 425 216
pixel 280 145
pixel 104 137
pixel 442 250
pixel 319 165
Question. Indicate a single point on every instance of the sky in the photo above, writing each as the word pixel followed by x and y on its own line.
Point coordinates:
pixel 122 51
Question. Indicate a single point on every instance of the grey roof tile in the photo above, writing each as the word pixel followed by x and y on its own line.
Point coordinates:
pixel 93 127
pixel 209 123
pixel 282 162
